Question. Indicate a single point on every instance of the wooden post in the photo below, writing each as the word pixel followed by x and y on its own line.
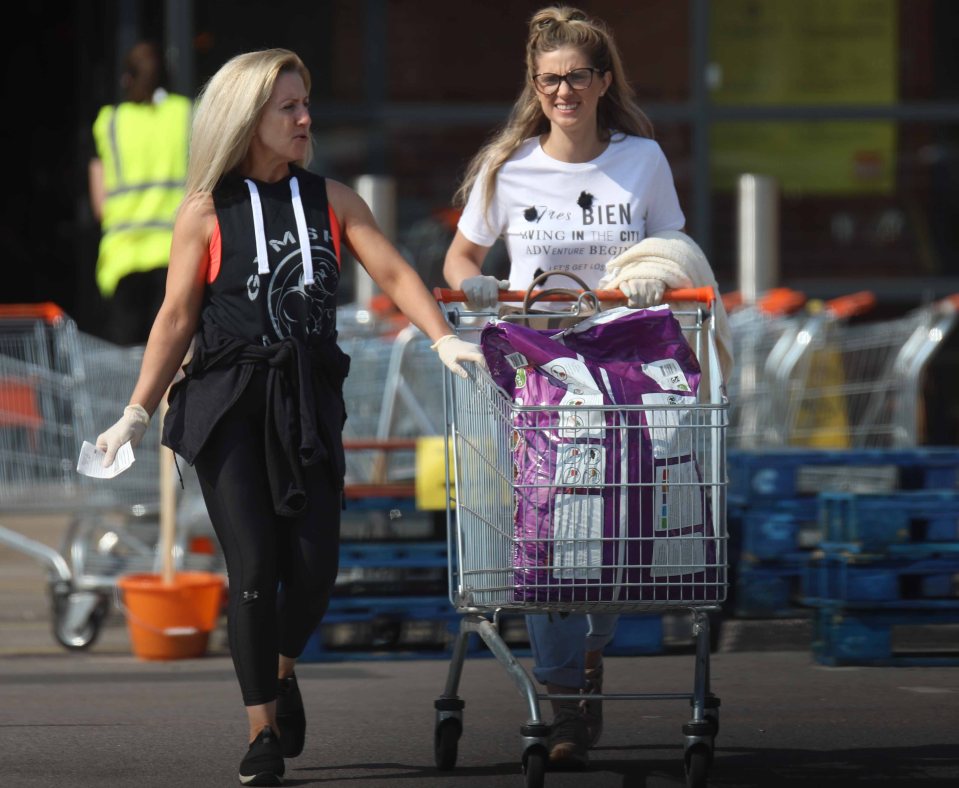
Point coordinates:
pixel 167 505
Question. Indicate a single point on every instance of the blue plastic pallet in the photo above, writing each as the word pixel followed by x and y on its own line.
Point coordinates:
pixel 850 579
pixel 876 521
pixel 637 635
pixel 392 569
pixel 378 629
pixel 781 474
pixel 770 589
pixel 370 628
pixel 856 636
pixel 772 531
pixel 393 554
pixel 910 550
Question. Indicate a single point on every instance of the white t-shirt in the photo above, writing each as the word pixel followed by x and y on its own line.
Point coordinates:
pixel 557 216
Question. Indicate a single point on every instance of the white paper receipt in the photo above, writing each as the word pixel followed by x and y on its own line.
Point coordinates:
pixel 91 461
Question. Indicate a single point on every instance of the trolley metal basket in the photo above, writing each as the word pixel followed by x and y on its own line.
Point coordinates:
pixel 484 541
pixel 58 386
pixel 783 388
pixel 859 384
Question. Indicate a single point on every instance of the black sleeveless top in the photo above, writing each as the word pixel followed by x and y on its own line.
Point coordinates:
pixel 263 308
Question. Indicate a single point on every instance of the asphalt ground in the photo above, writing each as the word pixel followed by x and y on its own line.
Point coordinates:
pixel 104 717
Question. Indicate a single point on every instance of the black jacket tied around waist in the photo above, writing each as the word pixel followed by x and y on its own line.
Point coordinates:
pixel 305 411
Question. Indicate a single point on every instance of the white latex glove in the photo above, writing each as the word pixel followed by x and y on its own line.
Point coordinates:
pixel 130 427
pixel 643 292
pixel 482 291
pixel 452 350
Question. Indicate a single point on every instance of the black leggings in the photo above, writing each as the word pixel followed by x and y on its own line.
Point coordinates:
pixel 281 570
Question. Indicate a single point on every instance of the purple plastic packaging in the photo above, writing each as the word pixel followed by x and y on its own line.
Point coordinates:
pixel 582 534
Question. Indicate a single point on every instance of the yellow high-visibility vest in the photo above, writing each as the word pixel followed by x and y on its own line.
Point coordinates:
pixel 144 150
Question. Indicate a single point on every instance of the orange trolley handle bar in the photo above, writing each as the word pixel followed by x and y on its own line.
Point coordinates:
pixel 47 311
pixel 847 306
pixel 705 295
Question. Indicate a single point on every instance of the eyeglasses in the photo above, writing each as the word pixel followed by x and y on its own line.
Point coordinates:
pixel 577 79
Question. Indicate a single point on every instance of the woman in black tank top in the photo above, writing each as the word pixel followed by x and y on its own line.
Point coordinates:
pixel 253 276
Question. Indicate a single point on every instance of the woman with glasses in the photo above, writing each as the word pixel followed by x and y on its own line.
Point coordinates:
pixel 573 180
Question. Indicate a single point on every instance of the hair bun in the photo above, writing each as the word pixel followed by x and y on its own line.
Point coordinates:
pixel 556 15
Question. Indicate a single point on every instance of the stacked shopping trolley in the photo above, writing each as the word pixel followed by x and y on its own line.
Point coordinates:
pixel 58 387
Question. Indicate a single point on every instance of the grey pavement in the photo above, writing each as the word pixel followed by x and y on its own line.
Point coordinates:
pixel 107 718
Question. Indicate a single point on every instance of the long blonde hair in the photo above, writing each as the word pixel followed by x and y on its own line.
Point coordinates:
pixel 228 110
pixel 551 29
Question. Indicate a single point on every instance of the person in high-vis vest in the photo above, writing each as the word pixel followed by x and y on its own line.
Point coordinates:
pixel 137 180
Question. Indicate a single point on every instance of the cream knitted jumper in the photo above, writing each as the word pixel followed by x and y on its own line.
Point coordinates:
pixel 677 260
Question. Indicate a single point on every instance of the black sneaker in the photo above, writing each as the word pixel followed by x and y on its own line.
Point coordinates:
pixel 263 762
pixel 290 717
pixel 568 741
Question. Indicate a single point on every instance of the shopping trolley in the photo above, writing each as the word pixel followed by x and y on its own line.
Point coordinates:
pixel 783 390
pixel 488 552
pixel 391 394
pixel 873 377
pixel 757 331
pixel 58 387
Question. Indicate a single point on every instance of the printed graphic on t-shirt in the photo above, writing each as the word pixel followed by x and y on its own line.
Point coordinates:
pixel 579 238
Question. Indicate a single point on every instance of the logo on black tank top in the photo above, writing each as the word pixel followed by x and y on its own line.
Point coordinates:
pixel 294 310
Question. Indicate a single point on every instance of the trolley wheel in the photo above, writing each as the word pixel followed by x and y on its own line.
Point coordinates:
pixel 534 766
pixel 78 638
pixel 698 758
pixel 712 717
pixel 445 743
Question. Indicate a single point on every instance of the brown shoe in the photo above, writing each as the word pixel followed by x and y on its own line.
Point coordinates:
pixel 592 710
pixel 567 743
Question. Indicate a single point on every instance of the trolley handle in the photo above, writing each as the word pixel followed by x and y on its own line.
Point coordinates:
pixel 705 295
pixel 950 303
pixel 782 301
pixel 48 312
pixel 777 302
pixel 851 305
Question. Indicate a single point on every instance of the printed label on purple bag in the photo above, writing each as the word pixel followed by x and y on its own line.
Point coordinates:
pixel 666 434
pixel 580 465
pixel 577 536
pixel 678 555
pixel 668 374
pixel 678 495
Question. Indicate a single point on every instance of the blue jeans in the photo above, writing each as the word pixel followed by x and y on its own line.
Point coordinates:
pixel 560 642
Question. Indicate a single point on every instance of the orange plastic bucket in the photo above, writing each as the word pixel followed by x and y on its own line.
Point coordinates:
pixel 171 621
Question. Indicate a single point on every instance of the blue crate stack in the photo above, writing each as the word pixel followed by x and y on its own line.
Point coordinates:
pixel 391 595
pixel 888 561
pixel 866 542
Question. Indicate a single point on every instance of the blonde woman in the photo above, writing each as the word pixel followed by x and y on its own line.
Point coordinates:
pixel 572 180
pixel 253 276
